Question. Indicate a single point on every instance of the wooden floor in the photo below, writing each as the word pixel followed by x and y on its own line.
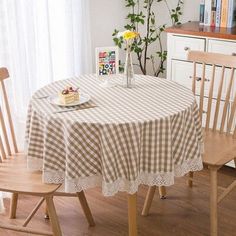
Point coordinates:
pixel 184 212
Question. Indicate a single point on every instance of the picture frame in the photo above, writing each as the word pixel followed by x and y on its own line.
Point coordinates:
pixel 107 62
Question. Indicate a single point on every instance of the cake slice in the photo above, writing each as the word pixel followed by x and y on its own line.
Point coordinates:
pixel 69 95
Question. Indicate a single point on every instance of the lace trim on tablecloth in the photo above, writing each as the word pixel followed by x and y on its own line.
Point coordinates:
pixel 124 185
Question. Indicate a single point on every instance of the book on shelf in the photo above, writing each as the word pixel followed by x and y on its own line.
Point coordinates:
pixel 210 12
pixel 231 13
pixel 213 13
pixel 218 13
pixel 224 13
pixel 202 9
pixel 207 12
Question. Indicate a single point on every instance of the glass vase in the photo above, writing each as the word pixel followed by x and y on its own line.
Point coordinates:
pixel 129 81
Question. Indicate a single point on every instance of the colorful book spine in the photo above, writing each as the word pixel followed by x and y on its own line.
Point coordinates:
pixel 202 9
pixel 224 13
pixel 207 13
pixel 231 13
pixel 218 12
pixel 213 13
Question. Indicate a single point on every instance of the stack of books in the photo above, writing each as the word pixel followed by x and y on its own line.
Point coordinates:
pixel 218 13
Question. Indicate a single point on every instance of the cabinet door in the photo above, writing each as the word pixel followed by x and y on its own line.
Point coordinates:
pixel 182 72
pixel 179 46
pixel 220 46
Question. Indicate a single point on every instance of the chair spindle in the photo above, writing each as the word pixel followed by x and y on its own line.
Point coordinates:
pixel 4 131
pixel 209 105
pixel 227 101
pixel 202 90
pixel 4 75
pixel 194 78
pixel 219 98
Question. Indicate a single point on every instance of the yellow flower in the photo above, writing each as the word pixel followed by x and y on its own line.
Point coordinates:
pixel 130 35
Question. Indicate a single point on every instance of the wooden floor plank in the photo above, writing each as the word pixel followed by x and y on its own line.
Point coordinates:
pixel 184 212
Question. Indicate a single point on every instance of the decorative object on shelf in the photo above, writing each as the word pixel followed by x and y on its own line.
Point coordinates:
pixel 107 64
pixel 142 18
pixel 128 36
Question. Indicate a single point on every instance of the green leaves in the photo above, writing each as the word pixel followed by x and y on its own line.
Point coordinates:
pixel 176 13
pixel 130 3
pixel 142 15
pixel 136 18
pixel 118 41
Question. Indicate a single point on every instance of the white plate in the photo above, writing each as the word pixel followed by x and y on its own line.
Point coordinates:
pixel 54 99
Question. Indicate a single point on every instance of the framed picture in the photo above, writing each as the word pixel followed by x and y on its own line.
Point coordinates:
pixel 107 61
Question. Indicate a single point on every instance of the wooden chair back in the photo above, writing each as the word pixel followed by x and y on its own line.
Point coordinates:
pixel 6 149
pixel 222 63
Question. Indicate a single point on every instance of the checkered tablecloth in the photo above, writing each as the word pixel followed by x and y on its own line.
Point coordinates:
pixel 145 135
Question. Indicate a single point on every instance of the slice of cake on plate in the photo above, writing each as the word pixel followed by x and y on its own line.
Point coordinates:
pixel 69 95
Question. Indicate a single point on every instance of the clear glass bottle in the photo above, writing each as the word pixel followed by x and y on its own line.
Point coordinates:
pixel 129 81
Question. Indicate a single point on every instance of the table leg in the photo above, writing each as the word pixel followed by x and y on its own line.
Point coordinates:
pixel 132 214
pixel 162 192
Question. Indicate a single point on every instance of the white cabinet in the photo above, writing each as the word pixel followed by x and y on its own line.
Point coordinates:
pixel 181 70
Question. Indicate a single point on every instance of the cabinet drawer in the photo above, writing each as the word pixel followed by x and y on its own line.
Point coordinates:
pixel 181 45
pixel 223 47
pixel 182 73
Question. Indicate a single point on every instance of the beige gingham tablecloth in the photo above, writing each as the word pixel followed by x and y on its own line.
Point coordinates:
pixel 145 135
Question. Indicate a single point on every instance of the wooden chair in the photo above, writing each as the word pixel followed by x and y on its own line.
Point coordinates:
pixel 17 179
pixel 217 112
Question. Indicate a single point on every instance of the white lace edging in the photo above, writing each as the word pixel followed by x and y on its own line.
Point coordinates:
pixel 121 184
pixel 189 165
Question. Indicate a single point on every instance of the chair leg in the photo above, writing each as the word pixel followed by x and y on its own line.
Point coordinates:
pixel 85 207
pixel 213 200
pixel 132 214
pixel 13 206
pixel 33 212
pixel 56 229
pixel 162 192
pixel 46 215
pixel 148 200
pixel 190 179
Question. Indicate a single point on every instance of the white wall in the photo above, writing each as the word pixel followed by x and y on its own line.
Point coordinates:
pixel 107 15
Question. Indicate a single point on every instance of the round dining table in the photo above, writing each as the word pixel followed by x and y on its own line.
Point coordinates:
pixel 121 138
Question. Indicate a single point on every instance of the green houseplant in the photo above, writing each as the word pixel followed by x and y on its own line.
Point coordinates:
pixel 141 16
